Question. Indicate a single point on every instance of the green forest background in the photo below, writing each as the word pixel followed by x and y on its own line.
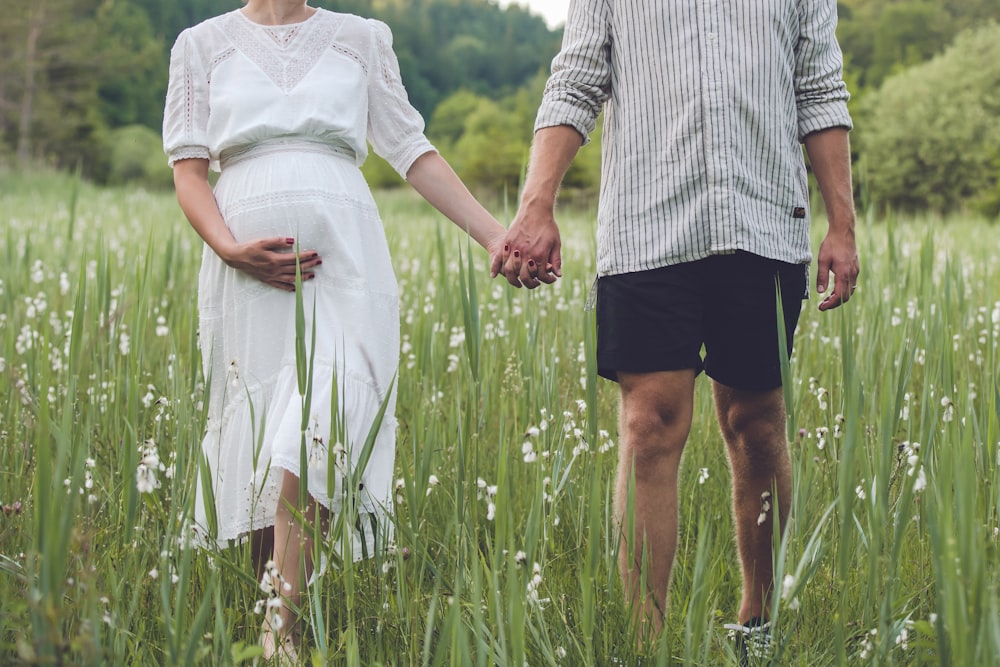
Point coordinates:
pixel 82 85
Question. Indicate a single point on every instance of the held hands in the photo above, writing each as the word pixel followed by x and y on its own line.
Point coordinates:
pixel 272 261
pixel 529 254
pixel 837 254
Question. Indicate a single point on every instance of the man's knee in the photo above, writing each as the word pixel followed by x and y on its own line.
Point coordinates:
pixel 750 416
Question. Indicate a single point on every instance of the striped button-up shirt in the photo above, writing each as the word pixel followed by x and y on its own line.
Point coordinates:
pixel 706 104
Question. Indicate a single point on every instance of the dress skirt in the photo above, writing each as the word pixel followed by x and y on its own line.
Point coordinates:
pixel 258 422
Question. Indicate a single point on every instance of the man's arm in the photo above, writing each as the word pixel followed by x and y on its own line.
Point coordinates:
pixel 530 253
pixel 830 156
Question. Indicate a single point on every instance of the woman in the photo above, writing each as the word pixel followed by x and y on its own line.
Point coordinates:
pixel 282 98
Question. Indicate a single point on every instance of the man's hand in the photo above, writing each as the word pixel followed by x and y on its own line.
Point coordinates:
pixel 838 254
pixel 531 251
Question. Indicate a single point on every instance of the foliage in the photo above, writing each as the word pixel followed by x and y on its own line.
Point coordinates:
pixel 488 141
pixel 882 37
pixel 71 71
pixel 68 68
pixel 930 135
pixel 136 156
pixel 892 556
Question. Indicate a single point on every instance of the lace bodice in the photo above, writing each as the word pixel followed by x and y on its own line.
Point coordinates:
pixel 332 78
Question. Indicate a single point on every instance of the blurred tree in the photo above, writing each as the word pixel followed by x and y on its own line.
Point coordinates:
pixel 59 55
pixel 447 124
pixel 930 136
pixel 136 156
pixel 881 37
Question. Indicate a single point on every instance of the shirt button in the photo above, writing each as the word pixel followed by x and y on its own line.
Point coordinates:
pixel 711 36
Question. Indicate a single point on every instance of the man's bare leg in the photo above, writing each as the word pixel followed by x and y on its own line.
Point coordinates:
pixel 753 426
pixel 656 411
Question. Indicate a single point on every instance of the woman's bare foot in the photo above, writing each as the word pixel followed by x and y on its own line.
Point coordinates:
pixel 278 646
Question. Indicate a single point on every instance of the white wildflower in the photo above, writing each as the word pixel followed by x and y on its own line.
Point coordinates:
pixel 37 272
pixel 821 395
pixel 949 409
pixel 787 587
pixel 145 479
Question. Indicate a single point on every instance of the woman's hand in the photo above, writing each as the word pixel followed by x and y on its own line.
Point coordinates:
pixel 271 261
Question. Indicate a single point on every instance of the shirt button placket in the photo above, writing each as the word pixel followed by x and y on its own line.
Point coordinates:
pixel 713 122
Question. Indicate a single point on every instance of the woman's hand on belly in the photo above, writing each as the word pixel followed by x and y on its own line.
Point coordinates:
pixel 271 261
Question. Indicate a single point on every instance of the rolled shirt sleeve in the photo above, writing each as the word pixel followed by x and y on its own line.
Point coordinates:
pixel 820 92
pixel 395 128
pixel 581 73
pixel 185 114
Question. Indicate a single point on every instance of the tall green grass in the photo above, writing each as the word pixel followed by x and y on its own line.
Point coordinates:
pixel 505 549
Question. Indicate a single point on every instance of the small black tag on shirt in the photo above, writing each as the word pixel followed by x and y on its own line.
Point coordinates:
pixel 799 212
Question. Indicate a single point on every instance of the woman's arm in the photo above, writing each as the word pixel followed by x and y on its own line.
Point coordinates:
pixel 435 180
pixel 269 260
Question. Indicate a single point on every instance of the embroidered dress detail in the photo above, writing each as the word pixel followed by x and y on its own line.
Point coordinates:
pixel 285 59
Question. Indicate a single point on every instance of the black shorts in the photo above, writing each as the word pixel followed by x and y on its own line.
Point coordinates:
pixel 658 320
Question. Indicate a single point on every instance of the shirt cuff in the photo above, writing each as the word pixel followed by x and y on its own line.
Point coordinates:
pixel 818 117
pixel 560 112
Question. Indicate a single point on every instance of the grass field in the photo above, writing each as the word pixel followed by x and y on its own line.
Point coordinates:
pixel 505 548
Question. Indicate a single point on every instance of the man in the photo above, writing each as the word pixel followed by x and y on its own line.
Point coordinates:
pixel 703 211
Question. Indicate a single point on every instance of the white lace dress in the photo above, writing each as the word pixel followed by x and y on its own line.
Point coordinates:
pixel 284 113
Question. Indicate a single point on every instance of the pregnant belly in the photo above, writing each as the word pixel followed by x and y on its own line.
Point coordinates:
pixel 322 202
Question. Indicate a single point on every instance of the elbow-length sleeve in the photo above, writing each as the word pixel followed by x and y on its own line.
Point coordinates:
pixel 820 92
pixel 581 72
pixel 185 115
pixel 395 128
